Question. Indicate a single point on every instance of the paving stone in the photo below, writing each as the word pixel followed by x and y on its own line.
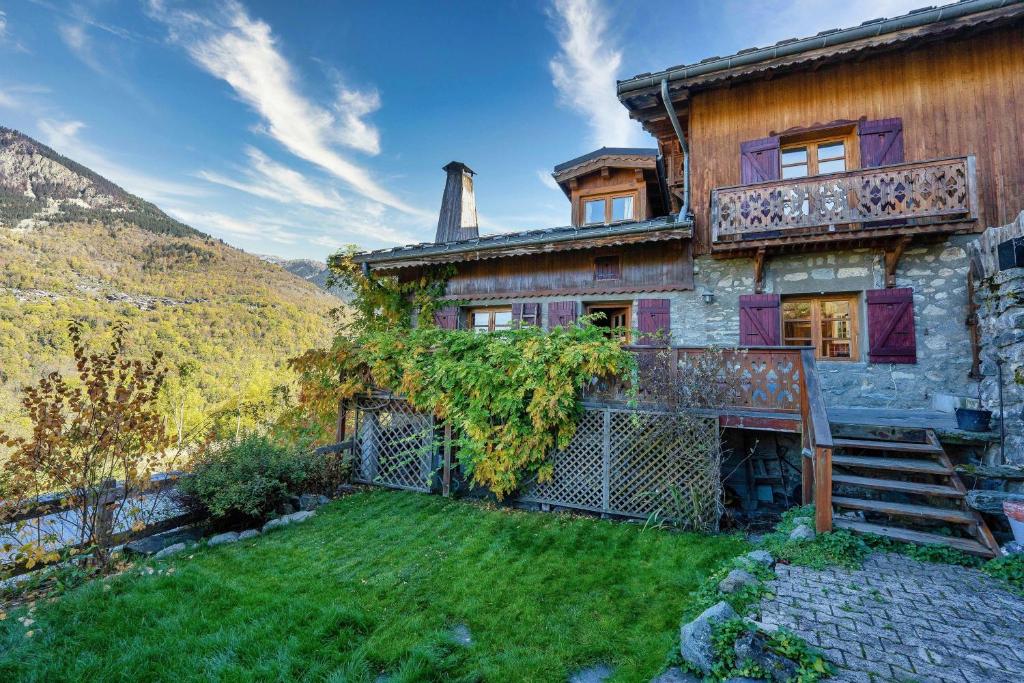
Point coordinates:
pixel 900 619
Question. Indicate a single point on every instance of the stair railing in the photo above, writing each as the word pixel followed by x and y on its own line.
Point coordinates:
pixel 816 438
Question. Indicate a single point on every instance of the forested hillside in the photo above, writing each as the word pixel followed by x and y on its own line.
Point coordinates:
pixel 74 246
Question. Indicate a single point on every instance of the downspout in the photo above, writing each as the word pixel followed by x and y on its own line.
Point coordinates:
pixel 684 210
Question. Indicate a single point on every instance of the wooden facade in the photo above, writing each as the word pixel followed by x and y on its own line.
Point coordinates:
pixel 956 98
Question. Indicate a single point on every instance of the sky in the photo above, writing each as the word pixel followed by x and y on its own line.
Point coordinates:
pixel 295 128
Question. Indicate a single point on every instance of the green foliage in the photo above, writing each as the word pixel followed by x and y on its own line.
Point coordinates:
pixel 368 585
pixel 1010 569
pixel 811 665
pixel 511 396
pixel 836 548
pixel 742 600
pixel 247 479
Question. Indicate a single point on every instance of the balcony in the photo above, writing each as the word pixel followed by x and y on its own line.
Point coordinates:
pixel 901 199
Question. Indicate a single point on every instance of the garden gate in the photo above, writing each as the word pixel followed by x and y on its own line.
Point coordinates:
pixel 394 444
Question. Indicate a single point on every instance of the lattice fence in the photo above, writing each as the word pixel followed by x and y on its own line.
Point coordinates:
pixel 639 464
pixel 394 445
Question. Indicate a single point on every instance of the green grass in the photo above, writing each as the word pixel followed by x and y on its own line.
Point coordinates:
pixel 373 584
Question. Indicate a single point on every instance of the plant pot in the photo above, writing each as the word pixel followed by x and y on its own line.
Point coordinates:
pixel 972 420
pixel 1014 511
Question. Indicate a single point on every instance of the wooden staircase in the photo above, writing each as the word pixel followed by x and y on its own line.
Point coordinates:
pixel 900 484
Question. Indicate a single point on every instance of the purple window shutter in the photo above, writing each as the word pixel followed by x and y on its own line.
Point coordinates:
pixel 526 314
pixel 561 314
pixel 652 318
pixel 891 337
pixel 447 318
pixel 759 160
pixel 881 142
pixel 760 320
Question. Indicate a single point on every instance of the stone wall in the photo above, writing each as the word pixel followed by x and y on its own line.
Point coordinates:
pixel 1001 317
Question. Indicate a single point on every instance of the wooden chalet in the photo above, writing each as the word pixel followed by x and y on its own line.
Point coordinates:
pixel 810 202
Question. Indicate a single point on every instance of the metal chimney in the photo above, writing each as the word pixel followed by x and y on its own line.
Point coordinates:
pixel 457 220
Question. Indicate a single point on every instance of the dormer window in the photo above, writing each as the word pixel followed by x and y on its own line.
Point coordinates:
pixel 609 209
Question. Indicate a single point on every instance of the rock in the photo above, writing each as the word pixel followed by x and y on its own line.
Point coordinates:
pixel 311 501
pixel 301 516
pixel 248 533
pixel 802 533
pixel 288 508
pixel 675 675
pixel 461 634
pixel 761 557
pixel 170 550
pixel 802 521
pixel 1013 548
pixel 221 539
pixel 157 542
pixel 736 580
pixel 593 674
pixel 695 637
pixel 752 645
pixel 285 520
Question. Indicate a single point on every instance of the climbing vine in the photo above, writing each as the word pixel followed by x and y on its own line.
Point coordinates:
pixel 511 396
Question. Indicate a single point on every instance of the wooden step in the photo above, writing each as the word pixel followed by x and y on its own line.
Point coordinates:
pixel 895 464
pixel 967 545
pixel 906 510
pixel 901 486
pixel 898 446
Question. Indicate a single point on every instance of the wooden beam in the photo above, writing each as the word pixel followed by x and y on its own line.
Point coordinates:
pixel 823 489
pixel 892 259
pixel 759 271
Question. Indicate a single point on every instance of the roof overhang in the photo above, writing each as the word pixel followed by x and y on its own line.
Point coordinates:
pixel 642 91
pixel 526 243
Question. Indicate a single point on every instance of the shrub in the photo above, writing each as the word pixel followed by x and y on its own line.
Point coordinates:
pixel 245 479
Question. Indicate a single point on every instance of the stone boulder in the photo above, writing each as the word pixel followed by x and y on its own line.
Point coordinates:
pixel 803 521
pixel 760 557
pixel 170 550
pixel 675 675
pixel 592 674
pixel 221 539
pixel 285 520
pixel 248 533
pixel 752 645
pixel 737 580
pixel 695 637
pixel 311 501
pixel 802 533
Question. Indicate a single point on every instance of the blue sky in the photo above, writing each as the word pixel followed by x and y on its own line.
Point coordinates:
pixel 292 128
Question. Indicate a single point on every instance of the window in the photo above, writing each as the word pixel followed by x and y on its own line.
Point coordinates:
pixel 608 209
pixel 828 323
pixel 490 319
pixel 813 158
pixel 607 267
pixel 617 316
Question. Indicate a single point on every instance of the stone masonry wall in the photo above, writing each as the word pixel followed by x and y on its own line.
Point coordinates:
pixel 1001 317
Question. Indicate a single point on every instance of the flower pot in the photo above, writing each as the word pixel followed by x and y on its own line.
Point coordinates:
pixel 973 420
pixel 1014 511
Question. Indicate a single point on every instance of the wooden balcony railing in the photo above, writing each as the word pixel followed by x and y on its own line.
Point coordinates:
pixel 936 191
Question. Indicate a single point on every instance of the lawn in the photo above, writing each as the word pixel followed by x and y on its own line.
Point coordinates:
pixel 375 583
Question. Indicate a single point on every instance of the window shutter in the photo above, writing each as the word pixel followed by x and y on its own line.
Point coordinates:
pixel 759 160
pixel 447 318
pixel 653 317
pixel 561 314
pixel 881 142
pixel 526 314
pixel 608 267
pixel 891 336
pixel 760 320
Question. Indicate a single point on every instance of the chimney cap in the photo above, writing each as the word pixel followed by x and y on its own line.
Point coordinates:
pixel 457 165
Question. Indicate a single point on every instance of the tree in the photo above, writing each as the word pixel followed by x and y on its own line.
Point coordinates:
pixel 96 439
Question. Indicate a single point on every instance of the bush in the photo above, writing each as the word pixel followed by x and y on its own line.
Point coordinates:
pixel 247 479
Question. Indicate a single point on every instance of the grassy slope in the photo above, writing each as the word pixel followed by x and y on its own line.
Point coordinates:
pixel 371 584
pixel 251 316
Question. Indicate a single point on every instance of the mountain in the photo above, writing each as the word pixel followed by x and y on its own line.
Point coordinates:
pixel 74 245
pixel 309 270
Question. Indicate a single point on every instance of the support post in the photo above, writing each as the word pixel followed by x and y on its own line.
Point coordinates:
pixel 759 271
pixel 807 477
pixel 823 489
pixel 892 259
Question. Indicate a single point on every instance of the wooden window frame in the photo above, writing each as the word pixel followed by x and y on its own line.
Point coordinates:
pixel 490 310
pixel 607 199
pixel 608 258
pixel 816 338
pixel 815 138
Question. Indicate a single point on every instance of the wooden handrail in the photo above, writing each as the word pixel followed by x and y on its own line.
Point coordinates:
pixel 817 445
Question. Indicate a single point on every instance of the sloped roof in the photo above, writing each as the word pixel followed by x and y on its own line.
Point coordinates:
pixel 641 152
pixel 870 34
pixel 514 243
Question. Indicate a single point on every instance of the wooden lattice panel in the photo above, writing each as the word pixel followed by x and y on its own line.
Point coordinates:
pixel 922 191
pixel 394 445
pixel 579 474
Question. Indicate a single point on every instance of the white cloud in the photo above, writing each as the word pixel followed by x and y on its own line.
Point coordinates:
pixel 244 53
pixel 63 137
pixel 547 181
pixel 3 24
pixel 76 39
pixel 251 228
pixel 585 69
